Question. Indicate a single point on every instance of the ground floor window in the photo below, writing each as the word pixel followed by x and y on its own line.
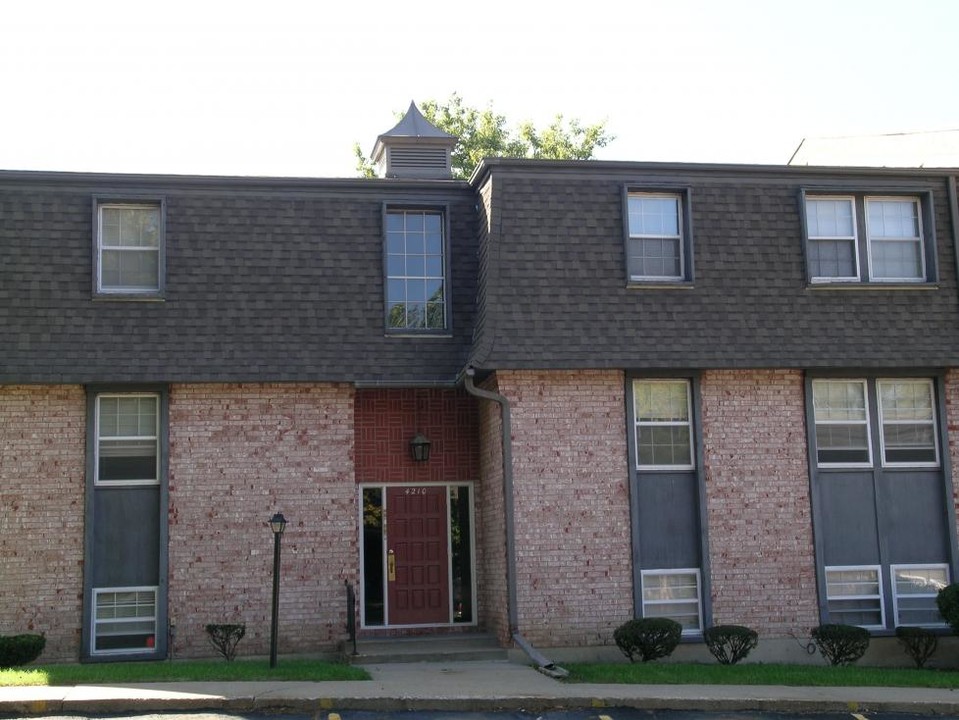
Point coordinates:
pixel 854 596
pixel 125 620
pixel 674 594
pixel 417 555
pixel 914 589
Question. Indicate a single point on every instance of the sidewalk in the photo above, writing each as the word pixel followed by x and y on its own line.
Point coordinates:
pixel 463 686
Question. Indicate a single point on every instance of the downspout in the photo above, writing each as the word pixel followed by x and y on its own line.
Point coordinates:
pixel 544 664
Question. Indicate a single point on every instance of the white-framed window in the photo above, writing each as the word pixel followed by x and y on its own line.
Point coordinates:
pixel 124 620
pixel 416 293
pixel 894 237
pixel 663 424
pixel 675 594
pixel 914 591
pixel 907 416
pixel 854 595
pixel 895 233
pixel 127 439
pixel 129 247
pixel 656 246
pixel 832 247
pixel 841 414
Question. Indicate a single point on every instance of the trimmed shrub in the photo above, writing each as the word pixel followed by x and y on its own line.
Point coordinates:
pixel 919 643
pixel 225 638
pixel 841 644
pixel 18 650
pixel 648 638
pixel 730 643
pixel 948 602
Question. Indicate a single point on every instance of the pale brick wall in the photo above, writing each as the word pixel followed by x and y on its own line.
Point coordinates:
pixel 574 576
pixel 492 597
pixel 757 497
pixel 239 453
pixel 42 471
pixel 952 425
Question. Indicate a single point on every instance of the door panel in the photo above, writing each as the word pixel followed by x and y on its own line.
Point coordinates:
pixel 416 532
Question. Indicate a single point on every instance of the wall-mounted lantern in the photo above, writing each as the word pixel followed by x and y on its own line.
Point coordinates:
pixel 420 448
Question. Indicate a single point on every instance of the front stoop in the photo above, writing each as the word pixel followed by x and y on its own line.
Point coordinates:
pixel 442 648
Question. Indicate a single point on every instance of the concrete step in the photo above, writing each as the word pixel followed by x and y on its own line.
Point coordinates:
pixel 426 648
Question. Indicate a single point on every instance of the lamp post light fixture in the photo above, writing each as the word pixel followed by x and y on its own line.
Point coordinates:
pixel 420 448
pixel 277 525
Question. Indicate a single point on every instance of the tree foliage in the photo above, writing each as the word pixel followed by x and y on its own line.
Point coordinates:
pixel 486 133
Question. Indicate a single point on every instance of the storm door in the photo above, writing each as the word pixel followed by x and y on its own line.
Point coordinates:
pixel 417 555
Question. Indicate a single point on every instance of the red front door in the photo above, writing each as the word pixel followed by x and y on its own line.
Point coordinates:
pixel 417 560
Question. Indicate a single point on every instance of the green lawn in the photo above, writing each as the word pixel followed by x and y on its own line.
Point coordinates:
pixel 180 670
pixel 758 674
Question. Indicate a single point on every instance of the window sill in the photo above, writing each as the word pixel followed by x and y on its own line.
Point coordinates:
pixel 419 335
pixel 659 285
pixel 129 297
pixel 817 286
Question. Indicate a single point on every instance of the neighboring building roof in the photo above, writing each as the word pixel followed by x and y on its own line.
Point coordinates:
pixel 933 149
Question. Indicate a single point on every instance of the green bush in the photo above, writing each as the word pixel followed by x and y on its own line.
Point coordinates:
pixel 224 637
pixel 20 649
pixel 841 644
pixel 648 638
pixel 730 643
pixel 919 643
pixel 948 602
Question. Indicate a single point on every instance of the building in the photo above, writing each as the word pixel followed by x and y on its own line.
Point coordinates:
pixel 725 394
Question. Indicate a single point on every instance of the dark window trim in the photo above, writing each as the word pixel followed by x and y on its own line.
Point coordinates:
pixel 694 378
pixel 937 375
pixel 685 194
pixel 444 210
pixel 860 194
pixel 161 647
pixel 129 199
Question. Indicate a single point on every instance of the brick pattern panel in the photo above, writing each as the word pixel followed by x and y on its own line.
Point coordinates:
pixel 239 453
pixel 42 470
pixel 386 421
pixel 571 496
pixel 758 504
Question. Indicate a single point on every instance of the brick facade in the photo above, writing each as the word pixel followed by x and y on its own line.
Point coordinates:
pixel 952 426
pixel 761 553
pixel 42 470
pixel 239 453
pixel 571 495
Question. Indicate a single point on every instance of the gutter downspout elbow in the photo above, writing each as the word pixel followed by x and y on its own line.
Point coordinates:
pixel 544 664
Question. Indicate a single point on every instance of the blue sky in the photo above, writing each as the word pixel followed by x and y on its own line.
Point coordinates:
pixel 285 88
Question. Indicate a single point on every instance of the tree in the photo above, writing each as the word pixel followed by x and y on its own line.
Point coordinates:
pixel 484 133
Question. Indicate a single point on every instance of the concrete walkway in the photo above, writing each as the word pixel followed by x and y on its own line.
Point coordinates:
pixel 462 686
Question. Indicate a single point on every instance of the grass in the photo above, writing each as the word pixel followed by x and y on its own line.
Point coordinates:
pixel 179 671
pixel 759 674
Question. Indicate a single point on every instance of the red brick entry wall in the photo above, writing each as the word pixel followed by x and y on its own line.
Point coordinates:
pixel 386 421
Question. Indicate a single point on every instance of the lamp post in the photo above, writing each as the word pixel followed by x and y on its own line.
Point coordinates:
pixel 277 525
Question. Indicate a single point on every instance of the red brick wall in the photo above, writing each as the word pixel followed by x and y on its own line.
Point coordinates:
pixel 42 475
pixel 574 577
pixel 239 453
pixel 757 498
pixel 386 421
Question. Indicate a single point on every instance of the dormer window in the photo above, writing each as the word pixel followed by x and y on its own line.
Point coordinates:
pixel 415 247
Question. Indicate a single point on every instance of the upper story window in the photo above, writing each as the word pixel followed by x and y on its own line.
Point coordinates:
pixel 129 248
pixel 658 239
pixel 416 292
pixel 888 231
pixel 664 426
pixel 127 439
pixel 907 422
